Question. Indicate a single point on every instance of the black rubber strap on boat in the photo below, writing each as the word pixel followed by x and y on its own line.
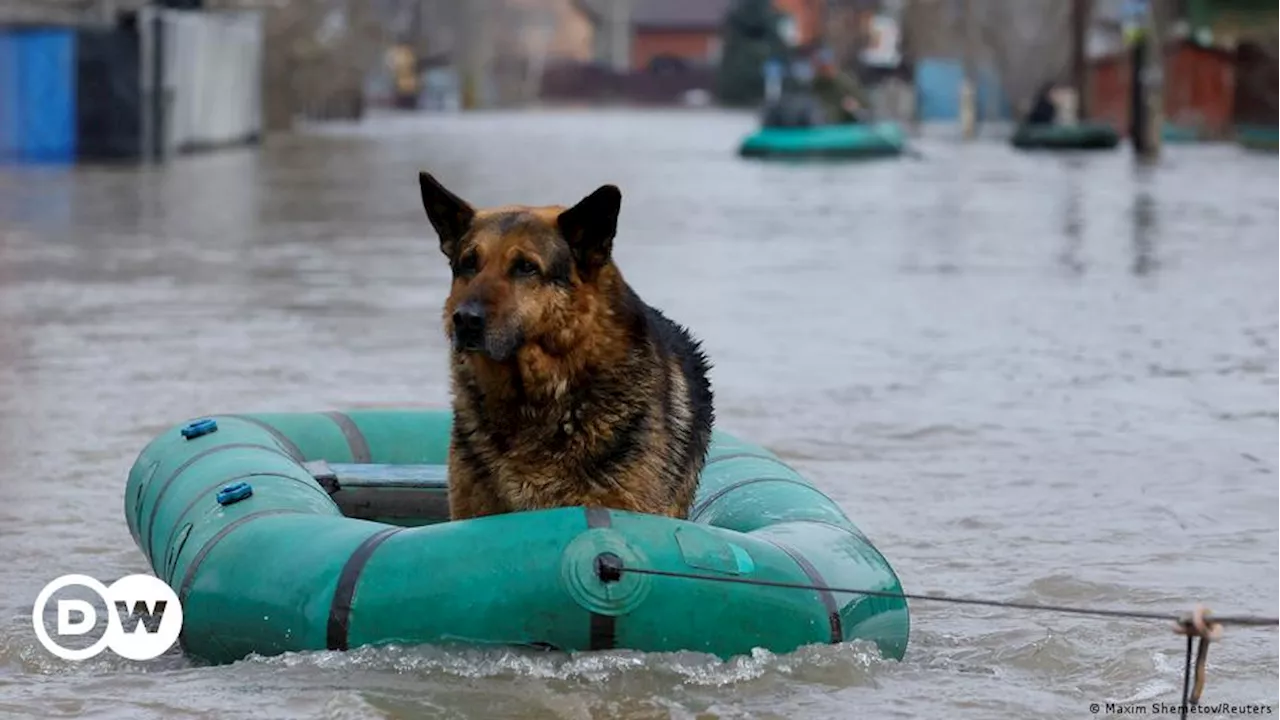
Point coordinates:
pixel 355 439
pixel 702 506
pixel 815 577
pixel 164 485
pixel 190 575
pixel 345 591
pixel 280 437
pixel 604 629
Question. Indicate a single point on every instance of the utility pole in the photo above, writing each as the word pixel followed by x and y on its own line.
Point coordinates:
pixel 1081 16
pixel 612 33
pixel 474 18
pixel 416 25
pixel 909 27
pixel 968 86
pixel 820 12
pixel 1147 114
pixel 545 25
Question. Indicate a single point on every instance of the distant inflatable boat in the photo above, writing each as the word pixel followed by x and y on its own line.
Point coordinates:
pixel 1083 136
pixel 846 141
pixel 313 531
pixel 1257 137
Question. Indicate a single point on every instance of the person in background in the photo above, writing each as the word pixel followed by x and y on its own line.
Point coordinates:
pixel 403 63
pixel 841 96
pixel 1044 111
pixel 795 106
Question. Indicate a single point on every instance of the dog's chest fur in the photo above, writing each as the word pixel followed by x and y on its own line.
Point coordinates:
pixel 612 436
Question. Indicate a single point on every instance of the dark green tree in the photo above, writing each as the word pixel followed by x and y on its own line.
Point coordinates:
pixel 750 38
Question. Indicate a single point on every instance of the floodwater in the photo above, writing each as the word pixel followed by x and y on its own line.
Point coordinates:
pixel 1026 377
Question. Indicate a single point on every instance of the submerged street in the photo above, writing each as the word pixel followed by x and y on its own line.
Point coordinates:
pixel 1026 377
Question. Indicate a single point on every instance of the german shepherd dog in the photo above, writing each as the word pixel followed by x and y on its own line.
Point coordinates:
pixel 567 388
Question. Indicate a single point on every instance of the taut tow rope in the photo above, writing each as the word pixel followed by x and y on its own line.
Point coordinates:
pixel 1198 625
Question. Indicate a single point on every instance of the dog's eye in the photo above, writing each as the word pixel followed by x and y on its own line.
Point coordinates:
pixel 524 268
pixel 467 265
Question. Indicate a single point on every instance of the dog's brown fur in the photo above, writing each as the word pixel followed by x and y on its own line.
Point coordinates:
pixel 570 390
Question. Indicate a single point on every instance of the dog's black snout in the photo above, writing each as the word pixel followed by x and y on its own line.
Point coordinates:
pixel 468 326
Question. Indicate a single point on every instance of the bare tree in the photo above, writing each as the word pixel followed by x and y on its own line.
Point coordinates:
pixel 1023 43
pixel 1027 42
pixel 316 55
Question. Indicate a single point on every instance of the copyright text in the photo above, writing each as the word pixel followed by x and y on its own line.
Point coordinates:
pixel 1174 709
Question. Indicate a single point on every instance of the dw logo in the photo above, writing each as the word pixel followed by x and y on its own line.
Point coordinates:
pixel 146 621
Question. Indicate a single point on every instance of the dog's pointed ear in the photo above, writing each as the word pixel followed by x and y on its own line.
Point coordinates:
pixel 449 214
pixel 589 228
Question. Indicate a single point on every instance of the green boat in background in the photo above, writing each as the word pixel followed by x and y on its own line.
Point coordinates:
pixel 1258 137
pixel 846 141
pixel 1177 134
pixel 1082 136
pixel 289 532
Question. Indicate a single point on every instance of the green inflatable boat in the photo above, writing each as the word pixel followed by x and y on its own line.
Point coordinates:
pixel 1082 136
pixel 1257 137
pixel 848 141
pixel 312 531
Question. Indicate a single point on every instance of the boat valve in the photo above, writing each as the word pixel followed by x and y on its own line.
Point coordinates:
pixel 608 567
pixel 199 428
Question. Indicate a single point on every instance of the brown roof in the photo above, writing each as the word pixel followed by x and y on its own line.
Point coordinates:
pixel 678 14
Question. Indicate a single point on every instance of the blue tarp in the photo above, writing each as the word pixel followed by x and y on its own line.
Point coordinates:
pixel 38 95
pixel 938 91
pixel 10 146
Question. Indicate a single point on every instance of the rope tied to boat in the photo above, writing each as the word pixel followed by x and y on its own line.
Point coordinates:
pixel 1198 625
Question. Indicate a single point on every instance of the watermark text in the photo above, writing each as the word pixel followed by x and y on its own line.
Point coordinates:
pixel 146 621
pixel 1166 709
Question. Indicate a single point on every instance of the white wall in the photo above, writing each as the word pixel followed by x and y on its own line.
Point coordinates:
pixel 213 78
